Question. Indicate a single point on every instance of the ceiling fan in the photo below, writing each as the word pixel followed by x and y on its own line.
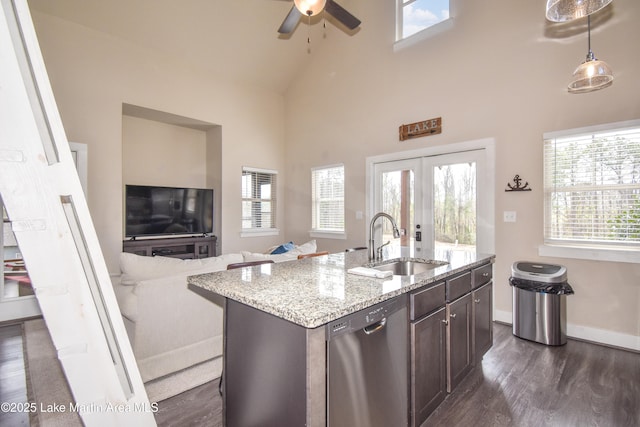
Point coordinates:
pixel 313 7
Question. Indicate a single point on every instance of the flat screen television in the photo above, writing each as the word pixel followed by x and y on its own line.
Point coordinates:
pixel 167 211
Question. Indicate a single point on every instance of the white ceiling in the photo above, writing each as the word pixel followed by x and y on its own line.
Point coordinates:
pixel 236 39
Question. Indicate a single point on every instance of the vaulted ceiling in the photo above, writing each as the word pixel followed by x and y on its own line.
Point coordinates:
pixel 234 39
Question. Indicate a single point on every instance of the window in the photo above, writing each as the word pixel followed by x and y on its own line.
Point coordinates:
pixel 258 200
pixel 592 190
pixel 327 195
pixel 413 16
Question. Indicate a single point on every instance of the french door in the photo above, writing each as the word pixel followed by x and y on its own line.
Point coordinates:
pixel 436 200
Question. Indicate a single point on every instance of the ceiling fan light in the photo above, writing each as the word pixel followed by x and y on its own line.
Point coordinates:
pixel 568 10
pixel 310 7
pixel 591 75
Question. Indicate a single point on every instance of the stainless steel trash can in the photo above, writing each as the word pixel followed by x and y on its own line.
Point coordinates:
pixel 539 302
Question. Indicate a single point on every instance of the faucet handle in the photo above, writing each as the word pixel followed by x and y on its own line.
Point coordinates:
pixel 379 250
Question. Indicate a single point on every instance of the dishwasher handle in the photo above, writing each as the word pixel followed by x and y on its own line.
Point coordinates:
pixel 375 327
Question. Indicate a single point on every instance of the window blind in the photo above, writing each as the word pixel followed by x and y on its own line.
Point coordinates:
pixel 258 199
pixel 592 188
pixel 327 194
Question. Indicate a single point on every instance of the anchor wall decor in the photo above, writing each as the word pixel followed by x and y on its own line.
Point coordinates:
pixel 518 185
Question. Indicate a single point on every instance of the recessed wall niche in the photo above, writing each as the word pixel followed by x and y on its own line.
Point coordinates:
pixel 164 149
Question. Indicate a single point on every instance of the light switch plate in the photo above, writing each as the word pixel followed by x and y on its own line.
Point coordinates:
pixel 509 216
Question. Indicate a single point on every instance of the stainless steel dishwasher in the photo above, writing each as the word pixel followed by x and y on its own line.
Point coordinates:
pixel 367 367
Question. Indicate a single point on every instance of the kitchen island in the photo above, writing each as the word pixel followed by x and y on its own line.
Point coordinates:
pixel 276 333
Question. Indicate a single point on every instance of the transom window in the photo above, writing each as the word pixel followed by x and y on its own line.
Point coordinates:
pixel 592 187
pixel 258 199
pixel 327 195
pixel 413 16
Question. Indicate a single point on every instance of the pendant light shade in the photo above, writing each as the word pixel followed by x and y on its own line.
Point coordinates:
pixel 592 74
pixel 568 10
pixel 310 7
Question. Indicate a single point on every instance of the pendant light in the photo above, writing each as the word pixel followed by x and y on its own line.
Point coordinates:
pixel 310 7
pixel 592 74
pixel 568 10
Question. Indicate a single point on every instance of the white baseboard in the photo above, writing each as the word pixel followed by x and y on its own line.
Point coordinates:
pixel 600 336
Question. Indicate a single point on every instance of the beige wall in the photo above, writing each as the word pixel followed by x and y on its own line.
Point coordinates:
pixel 501 72
pixel 155 153
pixel 93 75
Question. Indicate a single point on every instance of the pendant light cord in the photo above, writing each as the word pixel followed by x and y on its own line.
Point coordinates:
pixel 589 34
pixel 590 55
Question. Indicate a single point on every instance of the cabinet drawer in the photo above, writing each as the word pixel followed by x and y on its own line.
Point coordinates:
pixel 458 286
pixel 481 275
pixel 427 300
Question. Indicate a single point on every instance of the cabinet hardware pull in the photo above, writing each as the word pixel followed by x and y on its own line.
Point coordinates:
pixel 477 301
pixel 446 322
pixel 453 316
pixel 485 274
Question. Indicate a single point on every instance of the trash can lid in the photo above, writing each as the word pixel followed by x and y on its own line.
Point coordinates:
pixel 545 288
pixel 547 273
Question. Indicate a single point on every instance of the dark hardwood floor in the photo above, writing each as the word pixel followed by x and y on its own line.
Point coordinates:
pixel 519 383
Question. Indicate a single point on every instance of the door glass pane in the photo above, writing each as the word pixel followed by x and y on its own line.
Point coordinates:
pixel 454 206
pixel 397 199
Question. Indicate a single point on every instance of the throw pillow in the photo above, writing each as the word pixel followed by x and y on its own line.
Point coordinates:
pixel 285 247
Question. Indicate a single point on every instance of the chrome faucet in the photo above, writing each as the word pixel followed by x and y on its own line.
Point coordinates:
pixel 373 256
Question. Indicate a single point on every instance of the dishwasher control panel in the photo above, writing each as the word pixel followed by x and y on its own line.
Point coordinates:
pixel 366 317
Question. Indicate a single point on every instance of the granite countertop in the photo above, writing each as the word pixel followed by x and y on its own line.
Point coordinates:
pixel 314 291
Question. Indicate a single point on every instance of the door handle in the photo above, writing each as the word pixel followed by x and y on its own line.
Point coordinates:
pixel 375 327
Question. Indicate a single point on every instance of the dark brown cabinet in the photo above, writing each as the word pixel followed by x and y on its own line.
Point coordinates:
pixel 428 365
pixel 482 295
pixel 179 247
pixel 451 329
pixel 482 321
pixel 459 318
pixel 428 351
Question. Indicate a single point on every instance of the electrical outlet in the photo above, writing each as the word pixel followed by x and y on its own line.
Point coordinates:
pixel 509 216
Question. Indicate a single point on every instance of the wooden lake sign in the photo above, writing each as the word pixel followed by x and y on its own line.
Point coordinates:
pixel 423 128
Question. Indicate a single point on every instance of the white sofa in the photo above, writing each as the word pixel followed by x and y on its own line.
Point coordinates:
pixel 171 327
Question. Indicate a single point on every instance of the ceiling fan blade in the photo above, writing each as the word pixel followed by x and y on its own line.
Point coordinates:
pixel 340 13
pixel 290 22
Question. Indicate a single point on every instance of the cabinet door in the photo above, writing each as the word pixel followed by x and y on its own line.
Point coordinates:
pixel 482 321
pixel 459 318
pixel 428 366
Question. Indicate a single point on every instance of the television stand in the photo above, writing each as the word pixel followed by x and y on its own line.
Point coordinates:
pixel 174 247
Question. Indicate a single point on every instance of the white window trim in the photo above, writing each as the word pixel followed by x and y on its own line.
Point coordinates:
pixel 600 253
pixel 440 27
pixel 338 235
pixel 259 232
pixel 422 35
pixel 589 253
pixel 325 234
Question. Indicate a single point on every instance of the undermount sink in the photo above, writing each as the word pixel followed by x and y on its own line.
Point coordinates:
pixel 408 266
